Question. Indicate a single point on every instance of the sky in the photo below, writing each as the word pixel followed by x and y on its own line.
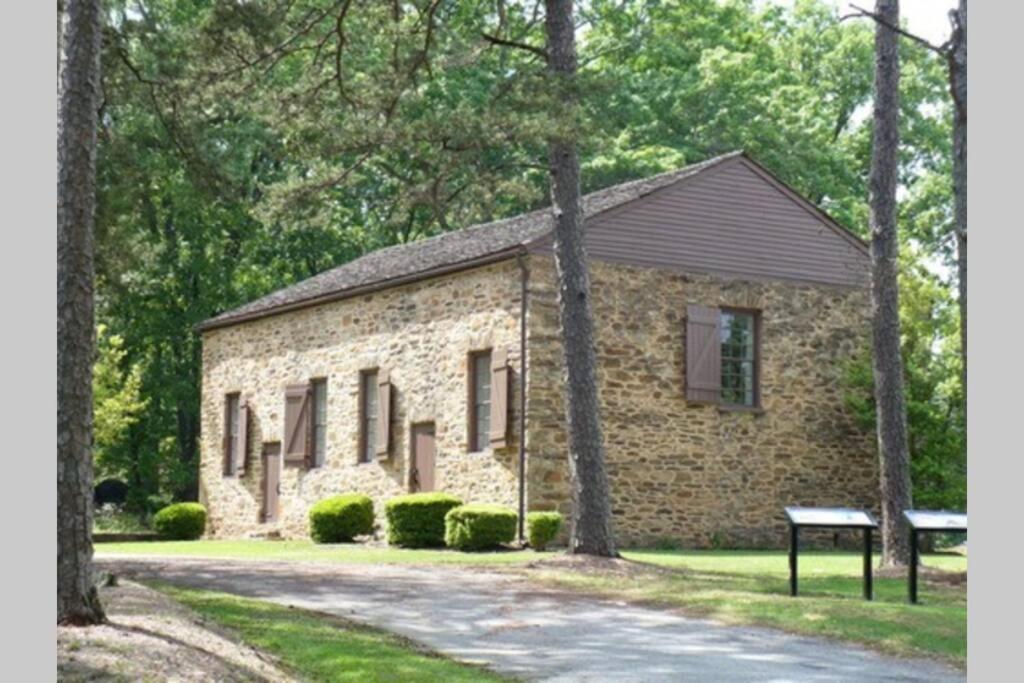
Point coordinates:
pixel 926 18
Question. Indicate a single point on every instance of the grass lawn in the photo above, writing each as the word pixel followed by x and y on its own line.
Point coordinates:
pixel 307 551
pixel 752 587
pixel 742 587
pixel 320 647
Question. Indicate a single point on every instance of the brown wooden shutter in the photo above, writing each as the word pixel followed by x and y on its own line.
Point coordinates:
pixel 243 437
pixel 703 354
pixel 383 413
pixel 499 398
pixel 297 422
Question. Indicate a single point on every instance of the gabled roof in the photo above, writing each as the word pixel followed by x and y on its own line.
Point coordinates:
pixel 458 250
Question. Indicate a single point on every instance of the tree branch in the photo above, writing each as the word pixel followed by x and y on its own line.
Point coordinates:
pixel 495 40
pixel 861 12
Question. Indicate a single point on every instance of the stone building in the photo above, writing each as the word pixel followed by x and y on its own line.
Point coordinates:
pixel 725 308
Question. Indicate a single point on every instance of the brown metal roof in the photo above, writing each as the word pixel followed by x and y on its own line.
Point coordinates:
pixel 449 252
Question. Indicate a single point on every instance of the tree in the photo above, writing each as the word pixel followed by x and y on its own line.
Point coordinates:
pixel 117 403
pixel 591 524
pixel 957 57
pixel 893 452
pixel 930 349
pixel 954 52
pixel 77 598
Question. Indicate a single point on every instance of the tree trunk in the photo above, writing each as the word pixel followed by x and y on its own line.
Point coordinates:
pixel 894 456
pixel 60 44
pixel 77 599
pixel 591 522
pixel 958 90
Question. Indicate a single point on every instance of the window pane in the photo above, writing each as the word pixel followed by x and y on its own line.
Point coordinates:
pixel 320 419
pixel 320 401
pixel 481 401
pixel 233 400
pixel 369 415
pixel 738 357
pixel 233 415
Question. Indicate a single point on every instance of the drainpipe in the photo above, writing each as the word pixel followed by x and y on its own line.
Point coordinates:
pixel 525 273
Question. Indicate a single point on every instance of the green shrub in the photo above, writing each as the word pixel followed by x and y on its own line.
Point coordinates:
pixel 666 543
pixel 341 518
pixel 542 527
pixel 417 520
pixel 476 527
pixel 181 521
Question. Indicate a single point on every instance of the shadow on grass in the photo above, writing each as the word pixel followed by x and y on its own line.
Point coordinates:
pixel 831 606
pixel 324 647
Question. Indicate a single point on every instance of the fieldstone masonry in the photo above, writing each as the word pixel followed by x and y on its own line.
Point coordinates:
pixel 422 333
pixel 698 475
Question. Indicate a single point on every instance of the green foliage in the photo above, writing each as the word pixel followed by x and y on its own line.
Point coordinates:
pixel 930 326
pixel 341 518
pixel 117 403
pixel 542 528
pixel 666 543
pixel 479 527
pixel 416 520
pixel 111 518
pixel 181 521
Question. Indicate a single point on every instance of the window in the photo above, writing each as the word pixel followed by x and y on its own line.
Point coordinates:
pixel 368 415
pixel 739 357
pixel 319 420
pixel 479 400
pixel 231 427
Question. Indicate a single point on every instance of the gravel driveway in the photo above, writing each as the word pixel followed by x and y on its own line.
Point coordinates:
pixel 512 627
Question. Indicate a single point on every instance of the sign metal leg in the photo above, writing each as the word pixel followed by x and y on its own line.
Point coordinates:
pixel 794 539
pixel 868 579
pixel 912 583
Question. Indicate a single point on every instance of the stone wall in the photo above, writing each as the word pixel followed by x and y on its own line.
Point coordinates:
pixel 696 474
pixel 423 333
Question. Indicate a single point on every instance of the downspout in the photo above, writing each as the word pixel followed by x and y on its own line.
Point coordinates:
pixel 525 273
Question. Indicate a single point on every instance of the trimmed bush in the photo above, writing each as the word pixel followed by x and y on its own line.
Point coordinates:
pixel 542 527
pixel 341 518
pixel 477 527
pixel 416 520
pixel 181 521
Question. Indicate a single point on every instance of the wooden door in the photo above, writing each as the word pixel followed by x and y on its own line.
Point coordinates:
pixel 423 457
pixel 271 480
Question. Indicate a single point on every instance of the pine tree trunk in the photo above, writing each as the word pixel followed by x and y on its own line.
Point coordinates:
pixel 77 599
pixel 591 522
pixel 958 89
pixel 893 452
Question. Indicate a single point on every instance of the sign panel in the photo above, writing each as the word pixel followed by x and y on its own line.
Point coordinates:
pixel 936 520
pixel 831 517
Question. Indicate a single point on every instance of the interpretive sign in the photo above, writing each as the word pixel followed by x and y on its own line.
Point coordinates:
pixel 830 517
pixel 833 518
pixel 928 521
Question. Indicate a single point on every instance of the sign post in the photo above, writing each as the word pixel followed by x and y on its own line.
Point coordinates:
pixel 832 518
pixel 928 521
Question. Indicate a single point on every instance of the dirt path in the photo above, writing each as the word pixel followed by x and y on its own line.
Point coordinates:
pixel 152 638
pixel 512 627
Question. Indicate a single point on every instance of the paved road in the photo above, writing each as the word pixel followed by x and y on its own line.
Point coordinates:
pixel 512 627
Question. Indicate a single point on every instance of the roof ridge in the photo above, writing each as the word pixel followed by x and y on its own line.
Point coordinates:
pixel 696 166
pixel 462 246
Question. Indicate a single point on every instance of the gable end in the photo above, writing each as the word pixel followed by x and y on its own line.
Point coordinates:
pixel 735 220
